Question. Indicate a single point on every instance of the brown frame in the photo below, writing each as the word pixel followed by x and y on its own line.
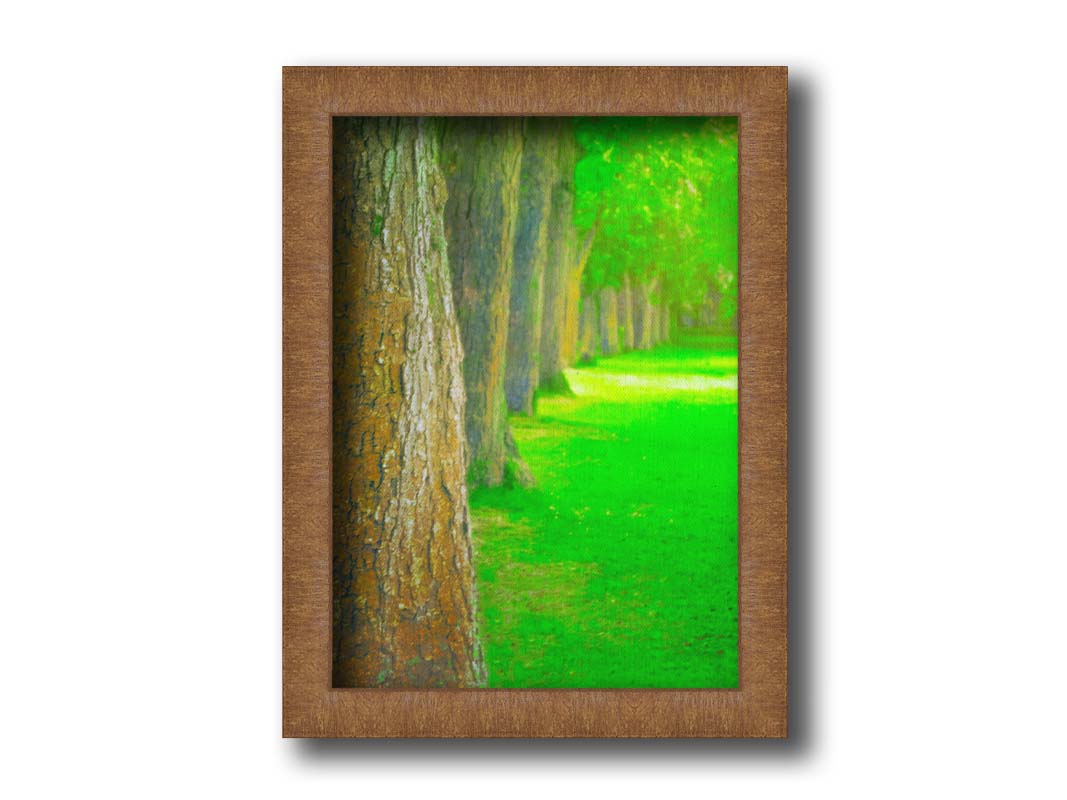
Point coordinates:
pixel 312 96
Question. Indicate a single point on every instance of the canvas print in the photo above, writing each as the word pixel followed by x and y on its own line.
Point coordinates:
pixel 535 430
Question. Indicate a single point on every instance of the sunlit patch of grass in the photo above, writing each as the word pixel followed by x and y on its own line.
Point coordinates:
pixel 623 386
pixel 620 568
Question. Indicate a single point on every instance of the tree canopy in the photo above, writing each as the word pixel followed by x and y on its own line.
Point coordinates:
pixel 661 193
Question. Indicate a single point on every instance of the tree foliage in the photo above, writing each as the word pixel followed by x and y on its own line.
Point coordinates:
pixel 661 193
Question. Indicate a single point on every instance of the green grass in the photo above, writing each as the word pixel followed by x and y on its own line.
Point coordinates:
pixel 620 569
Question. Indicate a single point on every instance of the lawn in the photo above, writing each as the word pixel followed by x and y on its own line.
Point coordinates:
pixel 620 569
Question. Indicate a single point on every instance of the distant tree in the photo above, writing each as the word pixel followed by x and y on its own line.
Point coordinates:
pixel 588 329
pixel 663 194
pixel 625 315
pixel 608 320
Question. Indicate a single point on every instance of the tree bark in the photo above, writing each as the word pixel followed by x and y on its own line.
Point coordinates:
pixel 482 157
pixel 665 322
pixel 626 315
pixel 609 321
pixel 538 177
pixel 589 329
pixel 405 606
pixel 561 254
pixel 573 320
pixel 572 298
pixel 654 312
pixel 642 325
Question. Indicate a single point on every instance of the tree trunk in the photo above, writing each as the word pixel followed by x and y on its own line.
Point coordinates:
pixel 561 253
pixel 642 307
pixel 539 174
pixel 654 292
pixel 609 321
pixel 626 315
pixel 709 312
pixel 573 325
pixel 405 606
pixel 555 310
pixel 572 300
pixel 665 322
pixel 589 330
pixel 481 159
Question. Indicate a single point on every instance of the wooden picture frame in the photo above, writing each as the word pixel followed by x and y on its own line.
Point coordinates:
pixel 312 97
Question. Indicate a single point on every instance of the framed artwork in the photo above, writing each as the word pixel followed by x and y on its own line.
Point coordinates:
pixel 534 402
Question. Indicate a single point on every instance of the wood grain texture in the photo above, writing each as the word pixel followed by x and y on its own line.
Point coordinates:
pixel 311 97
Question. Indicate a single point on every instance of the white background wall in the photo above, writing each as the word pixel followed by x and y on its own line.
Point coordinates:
pixel 140 426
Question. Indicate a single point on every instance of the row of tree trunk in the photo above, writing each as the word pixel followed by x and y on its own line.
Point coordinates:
pixel 457 270
pixel 549 261
pixel 624 318
pixel 457 274
pixel 710 313
pixel 553 326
